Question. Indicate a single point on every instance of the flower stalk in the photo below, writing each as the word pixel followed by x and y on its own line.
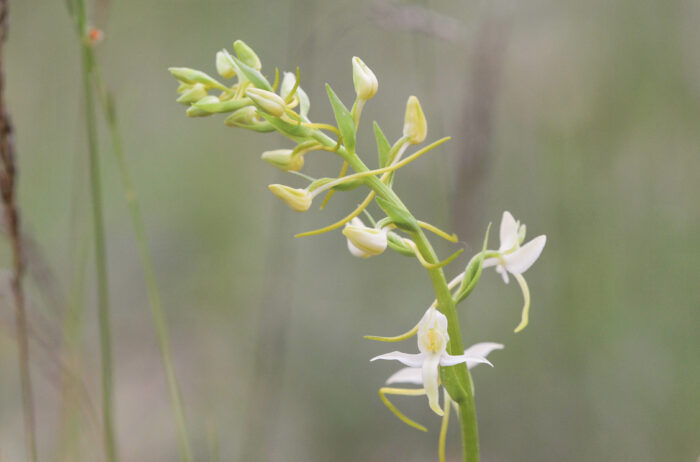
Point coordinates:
pixel 442 360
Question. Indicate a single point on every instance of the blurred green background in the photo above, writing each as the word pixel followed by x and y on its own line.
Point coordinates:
pixel 581 118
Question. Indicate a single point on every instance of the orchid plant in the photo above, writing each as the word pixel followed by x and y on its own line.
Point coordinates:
pixel 254 103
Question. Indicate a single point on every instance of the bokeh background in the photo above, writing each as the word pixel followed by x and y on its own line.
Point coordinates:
pixel 581 118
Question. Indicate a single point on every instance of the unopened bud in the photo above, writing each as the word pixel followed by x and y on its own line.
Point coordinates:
pixel 296 199
pixel 243 117
pixel 364 241
pixel 414 125
pixel 268 101
pixel 284 160
pixel 363 78
pixel 224 66
pixel 193 94
pixel 288 82
pixel 247 55
pixel 197 112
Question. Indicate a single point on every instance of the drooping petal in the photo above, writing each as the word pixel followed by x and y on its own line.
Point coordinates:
pixel 500 269
pixel 519 261
pixel 449 360
pixel 508 232
pixel 482 350
pixel 431 374
pixel 409 360
pixel 489 262
pixel 407 375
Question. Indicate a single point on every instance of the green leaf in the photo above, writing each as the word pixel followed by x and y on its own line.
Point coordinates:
pixel 255 76
pixel 294 130
pixel 383 146
pixel 472 273
pixel 346 123
pixel 401 218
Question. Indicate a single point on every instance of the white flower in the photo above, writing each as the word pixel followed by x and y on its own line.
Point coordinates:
pixel 514 259
pixel 432 344
pixel 414 375
pixel 364 241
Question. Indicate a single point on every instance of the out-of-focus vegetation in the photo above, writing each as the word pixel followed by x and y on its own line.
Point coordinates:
pixel 581 118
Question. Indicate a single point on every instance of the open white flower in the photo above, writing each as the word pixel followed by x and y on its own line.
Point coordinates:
pixel 516 259
pixel 414 375
pixel 363 241
pixel 432 344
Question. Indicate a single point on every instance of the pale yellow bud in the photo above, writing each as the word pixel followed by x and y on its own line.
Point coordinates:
pixel 268 101
pixel 364 241
pixel 247 55
pixel 192 94
pixel 297 199
pixel 224 66
pixel 414 125
pixel 284 160
pixel 363 78
pixel 243 117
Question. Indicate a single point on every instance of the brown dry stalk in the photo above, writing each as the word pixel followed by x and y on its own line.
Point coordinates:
pixel 8 180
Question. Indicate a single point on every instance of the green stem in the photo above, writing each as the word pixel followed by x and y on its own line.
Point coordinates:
pixel 100 248
pixel 456 379
pixel 159 319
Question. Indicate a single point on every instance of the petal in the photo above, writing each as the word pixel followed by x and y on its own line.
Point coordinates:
pixel 504 274
pixel 449 360
pixel 520 260
pixel 404 358
pixel 508 232
pixel 357 252
pixel 482 349
pixel 489 262
pixel 430 372
pixel 407 375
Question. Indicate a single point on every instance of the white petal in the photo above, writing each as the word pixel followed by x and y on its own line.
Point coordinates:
pixel 449 360
pixel 431 372
pixel 404 358
pixel 481 350
pixel 519 261
pixel 357 222
pixel 407 375
pixel 508 232
pixel 504 274
pixel 357 252
pixel 489 262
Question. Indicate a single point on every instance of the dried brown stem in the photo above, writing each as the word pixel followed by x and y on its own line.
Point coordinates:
pixel 8 180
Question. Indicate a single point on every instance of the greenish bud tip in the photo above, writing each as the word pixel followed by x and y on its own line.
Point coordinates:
pixel 364 80
pixel 247 55
pixel 271 103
